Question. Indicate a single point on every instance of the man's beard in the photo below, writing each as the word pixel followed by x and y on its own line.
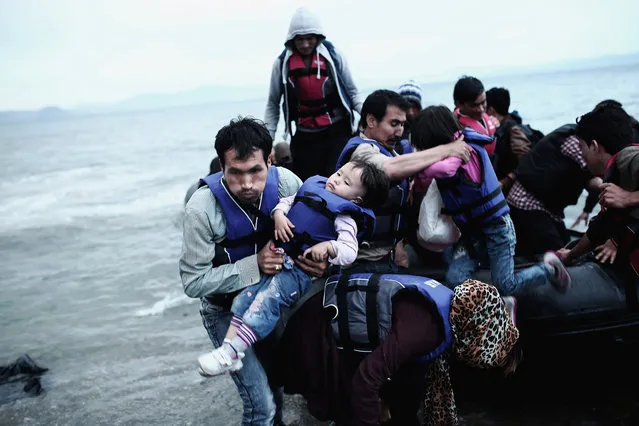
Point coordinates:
pixel 394 141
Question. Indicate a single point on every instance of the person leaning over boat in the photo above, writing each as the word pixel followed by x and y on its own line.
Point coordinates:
pixel 346 350
pixel 381 128
pixel 312 80
pixel 605 137
pixel 548 179
pixel 227 231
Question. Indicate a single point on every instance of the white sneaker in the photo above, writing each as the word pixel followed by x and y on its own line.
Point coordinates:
pixel 560 278
pixel 218 361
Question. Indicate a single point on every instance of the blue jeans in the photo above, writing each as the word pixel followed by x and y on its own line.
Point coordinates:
pixel 496 243
pixel 260 305
pixel 262 403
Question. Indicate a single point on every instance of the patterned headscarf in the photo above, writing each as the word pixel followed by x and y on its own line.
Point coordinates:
pixel 484 335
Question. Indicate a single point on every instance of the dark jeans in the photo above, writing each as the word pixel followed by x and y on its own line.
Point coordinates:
pixel 317 153
pixel 262 402
pixel 496 244
pixel 537 232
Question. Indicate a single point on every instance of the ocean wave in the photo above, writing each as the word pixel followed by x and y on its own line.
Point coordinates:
pixel 171 300
pixel 59 208
pixel 59 177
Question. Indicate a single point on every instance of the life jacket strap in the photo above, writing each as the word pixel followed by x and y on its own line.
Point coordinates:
pixel 372 321
pixel 317 203
pixel 341 293
pixel 468 207
pixel 301 72
pixel 299 240
pixel 256 237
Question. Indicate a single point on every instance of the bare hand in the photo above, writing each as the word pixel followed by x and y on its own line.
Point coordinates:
pixel 613 196
pixel 564 256
pixel 312 268
pixel 506 183
pixel 607 252
pixel 582 217
pixel 459 149
pixel 595 184
pixel 319 252
pixel 283 227
pixel 269 261
pixel 411 196
pixel 401 255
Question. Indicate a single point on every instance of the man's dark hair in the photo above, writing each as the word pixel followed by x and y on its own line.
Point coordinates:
pixel 377 102
pixel 499 99
pixel 609 125
pixel 633 121
pixel 607 103
pixel 436 125
pixel 244 135
pixel 376 183
pixel 467 89
pixel 215 166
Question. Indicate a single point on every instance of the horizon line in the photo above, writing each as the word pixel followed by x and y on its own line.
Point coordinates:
pixel 437 78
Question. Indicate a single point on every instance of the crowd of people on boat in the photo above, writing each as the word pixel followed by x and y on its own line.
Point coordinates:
pixel 306 255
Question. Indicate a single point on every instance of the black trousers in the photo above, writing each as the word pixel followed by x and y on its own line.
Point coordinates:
pixel 317 153
pixel 537 232
pixel 405 393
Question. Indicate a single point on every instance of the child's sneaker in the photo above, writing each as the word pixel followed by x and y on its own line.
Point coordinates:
pixel 511 307
pixel 560 278
pixel 218 361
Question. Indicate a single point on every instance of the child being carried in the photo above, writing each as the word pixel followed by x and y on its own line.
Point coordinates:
pixel 323 221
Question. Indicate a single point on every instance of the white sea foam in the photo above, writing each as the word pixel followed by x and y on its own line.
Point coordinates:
pixel 169 301
pixel 62 208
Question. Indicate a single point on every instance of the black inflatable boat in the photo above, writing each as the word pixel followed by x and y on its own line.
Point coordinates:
pixel 600 300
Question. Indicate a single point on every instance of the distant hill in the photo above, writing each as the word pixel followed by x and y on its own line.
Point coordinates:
pixel 216 94
pixel 198 96
pixel 599 62
pixel 565 65
pixel 43 114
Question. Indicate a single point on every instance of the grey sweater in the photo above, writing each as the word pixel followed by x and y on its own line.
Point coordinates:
pixel 205 226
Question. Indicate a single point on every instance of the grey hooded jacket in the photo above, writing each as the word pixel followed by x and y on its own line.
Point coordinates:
pixel 305 22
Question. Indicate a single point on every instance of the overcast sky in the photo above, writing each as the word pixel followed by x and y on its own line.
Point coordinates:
pixel 69 53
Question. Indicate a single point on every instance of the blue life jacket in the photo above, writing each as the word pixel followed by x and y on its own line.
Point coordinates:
pixel 391 216
pixel 363 308
pixel 314 212
pixel 472 204
pixel 404 147
pixel 244 236
pixel 292 98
